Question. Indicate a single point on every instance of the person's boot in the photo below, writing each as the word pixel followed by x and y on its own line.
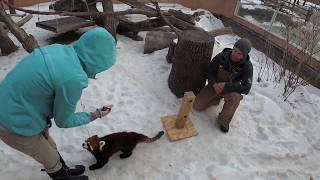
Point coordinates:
pixel 63 175
pixel 231 103
pixel 74 171
pixel 224 129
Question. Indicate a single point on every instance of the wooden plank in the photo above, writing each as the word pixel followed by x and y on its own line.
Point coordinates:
pixel 175 134
pixel 65 24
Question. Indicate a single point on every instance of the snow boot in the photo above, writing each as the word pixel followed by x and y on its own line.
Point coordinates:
pixel 63 175
pixel 74 171
pixel 231 103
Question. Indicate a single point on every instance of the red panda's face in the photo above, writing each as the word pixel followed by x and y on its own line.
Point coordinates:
pixel 91 144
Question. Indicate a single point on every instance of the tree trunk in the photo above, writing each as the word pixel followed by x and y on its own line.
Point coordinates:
pixel 131 29
pixel 185 17
pixel 190 62
pixel 11 9
pixel 110 23
pixel 107 6
pixel 6 45
pixel 91 6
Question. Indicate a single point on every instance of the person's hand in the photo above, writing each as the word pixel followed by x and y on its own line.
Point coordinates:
pixel 218 87
pixel 101 112
pixel 45 133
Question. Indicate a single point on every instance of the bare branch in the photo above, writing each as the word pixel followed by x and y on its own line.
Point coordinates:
pixel 28 41
pixel 24 20
pixel 175 30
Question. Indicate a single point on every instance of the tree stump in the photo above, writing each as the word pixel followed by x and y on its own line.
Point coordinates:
pixel 191 57
pixel 172 46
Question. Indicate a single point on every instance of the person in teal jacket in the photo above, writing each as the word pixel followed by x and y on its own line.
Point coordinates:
pixel 47 84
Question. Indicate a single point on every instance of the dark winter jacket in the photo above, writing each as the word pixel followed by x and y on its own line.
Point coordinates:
pixel 241 72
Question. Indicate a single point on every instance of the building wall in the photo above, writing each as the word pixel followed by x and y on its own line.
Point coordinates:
pixel 28 2
pixel 223 7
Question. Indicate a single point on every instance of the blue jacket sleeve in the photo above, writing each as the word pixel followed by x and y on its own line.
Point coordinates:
pixel 66 97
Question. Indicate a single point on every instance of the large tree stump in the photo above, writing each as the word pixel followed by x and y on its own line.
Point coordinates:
pixel 190 60
pixel 171 48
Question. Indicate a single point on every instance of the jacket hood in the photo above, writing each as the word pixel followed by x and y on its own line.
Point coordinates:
pixel 227 53
pixel 96 50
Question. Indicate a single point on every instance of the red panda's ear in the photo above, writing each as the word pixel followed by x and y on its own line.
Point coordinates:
pixel 101 144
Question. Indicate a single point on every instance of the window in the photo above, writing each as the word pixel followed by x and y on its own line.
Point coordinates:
pixel 275 20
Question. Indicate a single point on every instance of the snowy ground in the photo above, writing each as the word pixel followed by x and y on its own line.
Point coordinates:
pixel 268 139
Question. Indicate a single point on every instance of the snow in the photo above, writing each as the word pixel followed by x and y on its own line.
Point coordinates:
pixel 268 138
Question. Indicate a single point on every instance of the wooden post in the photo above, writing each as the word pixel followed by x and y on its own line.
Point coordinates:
pixel 185 109
pixel 180 126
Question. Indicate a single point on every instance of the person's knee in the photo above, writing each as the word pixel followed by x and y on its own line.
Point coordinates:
pixel 233 97
pixel 198 107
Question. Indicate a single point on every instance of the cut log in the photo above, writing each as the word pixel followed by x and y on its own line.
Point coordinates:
pixel 222 31
pixel 7 46
pixel 156 40
pixel 190 62
pixel 185 17
pixel 69 5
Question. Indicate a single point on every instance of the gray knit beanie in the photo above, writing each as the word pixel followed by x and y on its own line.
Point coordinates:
pixel 244 45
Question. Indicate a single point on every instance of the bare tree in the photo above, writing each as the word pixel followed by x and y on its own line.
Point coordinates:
pixel 266 67
pixel 306 37
pixel 301 35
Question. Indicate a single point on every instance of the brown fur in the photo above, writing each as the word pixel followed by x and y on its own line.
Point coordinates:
pixel 103 148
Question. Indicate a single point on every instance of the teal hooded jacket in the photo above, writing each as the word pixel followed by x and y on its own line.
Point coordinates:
pixel 48 83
